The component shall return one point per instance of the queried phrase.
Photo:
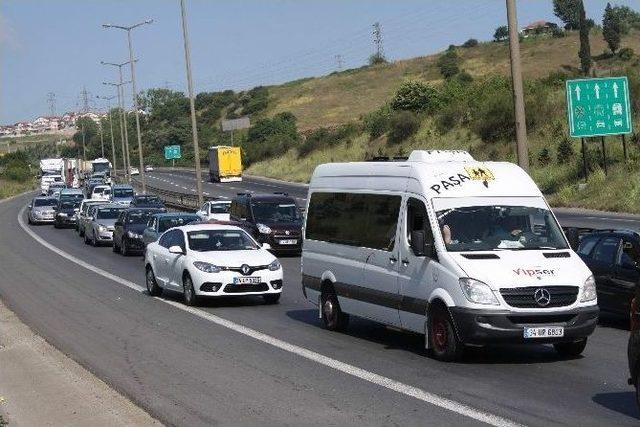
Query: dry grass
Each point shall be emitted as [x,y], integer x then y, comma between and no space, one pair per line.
[11,188]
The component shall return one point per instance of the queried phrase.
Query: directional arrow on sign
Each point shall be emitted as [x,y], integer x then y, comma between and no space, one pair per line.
[578,92]
[597,89]
[615,89]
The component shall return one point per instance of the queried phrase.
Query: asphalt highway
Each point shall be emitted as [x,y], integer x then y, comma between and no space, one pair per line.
[240,362]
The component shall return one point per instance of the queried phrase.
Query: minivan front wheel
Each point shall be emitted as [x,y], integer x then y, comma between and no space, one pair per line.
[571,349]
[333,317]
[443,341]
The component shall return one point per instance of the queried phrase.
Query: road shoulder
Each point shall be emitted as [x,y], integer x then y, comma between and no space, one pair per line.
[41,386]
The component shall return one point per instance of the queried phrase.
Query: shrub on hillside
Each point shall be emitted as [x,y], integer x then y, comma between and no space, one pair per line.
[376,123]
[565,151]
[403,125]
[416,96]
[470,43]
[326,137]
[626,53]
[270,137]
[254,101]
[448,63]
[544,157]
[376,59]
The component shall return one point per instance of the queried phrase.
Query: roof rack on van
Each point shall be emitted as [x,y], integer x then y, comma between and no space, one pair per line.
[246,194]
[387,159]
[281,193]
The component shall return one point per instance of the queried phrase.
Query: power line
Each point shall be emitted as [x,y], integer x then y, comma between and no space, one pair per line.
[85,100]
[339,62]
[377,40]
[51,100]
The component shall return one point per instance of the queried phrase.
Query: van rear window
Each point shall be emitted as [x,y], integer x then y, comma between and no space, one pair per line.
[354,219]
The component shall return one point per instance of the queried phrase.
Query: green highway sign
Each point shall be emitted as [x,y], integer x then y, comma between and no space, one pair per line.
[172,152]
[598,107]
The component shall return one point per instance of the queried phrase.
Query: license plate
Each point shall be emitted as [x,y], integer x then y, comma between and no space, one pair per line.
[246,280]
[544,332]
[289,242]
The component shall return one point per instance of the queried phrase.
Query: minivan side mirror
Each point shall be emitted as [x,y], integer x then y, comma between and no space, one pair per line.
[419,246]
[30,206]
[266,246]
[175,249]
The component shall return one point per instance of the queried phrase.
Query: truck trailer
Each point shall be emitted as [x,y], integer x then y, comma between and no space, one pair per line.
[225,164]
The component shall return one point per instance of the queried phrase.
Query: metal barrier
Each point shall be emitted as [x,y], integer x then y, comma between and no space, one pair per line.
[174,199]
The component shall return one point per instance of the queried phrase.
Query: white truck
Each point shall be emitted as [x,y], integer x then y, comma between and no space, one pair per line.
[52,170]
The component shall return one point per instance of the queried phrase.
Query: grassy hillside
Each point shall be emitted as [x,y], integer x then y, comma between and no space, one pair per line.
[341,101]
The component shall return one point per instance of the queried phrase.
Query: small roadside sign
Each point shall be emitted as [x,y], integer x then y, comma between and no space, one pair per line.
[598,107]
[172,152]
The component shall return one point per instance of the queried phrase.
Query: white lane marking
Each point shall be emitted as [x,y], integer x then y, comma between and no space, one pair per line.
[354,371]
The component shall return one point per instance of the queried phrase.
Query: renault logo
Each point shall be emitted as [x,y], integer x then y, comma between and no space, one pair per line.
[245,269]
[287,232]
[542,297]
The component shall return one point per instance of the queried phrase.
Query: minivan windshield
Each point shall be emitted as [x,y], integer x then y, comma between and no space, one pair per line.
[220,240]
[275,212]
[45,202]
[487,228]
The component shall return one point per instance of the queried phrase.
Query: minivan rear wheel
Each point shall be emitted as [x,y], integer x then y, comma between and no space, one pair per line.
[333,317]
[570,349]
[443,341]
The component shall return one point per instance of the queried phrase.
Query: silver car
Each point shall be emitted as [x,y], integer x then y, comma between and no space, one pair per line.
[42,210]
[99,228]
[83,217]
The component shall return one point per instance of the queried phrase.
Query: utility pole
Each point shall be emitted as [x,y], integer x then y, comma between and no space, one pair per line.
[339,61]
[113,146]
[194,127]
[135,93]
[518,92]
[85,100]
[51,100]
[377,40]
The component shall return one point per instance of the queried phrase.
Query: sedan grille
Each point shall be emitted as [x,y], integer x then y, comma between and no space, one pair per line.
[234,289]
[558,296]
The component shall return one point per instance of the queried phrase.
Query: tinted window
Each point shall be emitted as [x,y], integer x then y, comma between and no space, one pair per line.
[586,245]
[122,192]
[418,219]
[68,204]
[606,250]
[139,217]
[366,220]
[220,208]
[45,202]
[220,240]
[176,221]
[630,255]
[165,239]
[108,213]
[270,212]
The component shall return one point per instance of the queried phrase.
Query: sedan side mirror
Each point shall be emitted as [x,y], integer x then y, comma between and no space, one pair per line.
[30,207]
[177,250]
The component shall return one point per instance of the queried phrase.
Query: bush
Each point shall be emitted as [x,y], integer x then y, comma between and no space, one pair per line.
[448,63]
[326,137]
[270,137]
[416,96]
[376,59]
[403,124]
[470,43]
[626,53]
[255,100]
[565,151]
[557,32]
[544,157]
[376,123]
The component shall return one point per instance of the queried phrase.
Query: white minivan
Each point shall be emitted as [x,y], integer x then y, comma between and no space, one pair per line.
[465,252]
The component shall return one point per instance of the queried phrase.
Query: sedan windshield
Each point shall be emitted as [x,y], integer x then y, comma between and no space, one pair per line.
[139,217]
[176,221]
[108,213]
[68,205]
[486,228]
[220,208]
[45,202]
[275,212]
[122,192]
[220,240]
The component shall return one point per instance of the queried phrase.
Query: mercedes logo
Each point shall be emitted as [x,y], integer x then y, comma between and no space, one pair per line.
[245,269]
[542,297]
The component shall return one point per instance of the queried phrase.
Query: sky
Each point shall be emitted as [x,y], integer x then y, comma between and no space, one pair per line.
[55,46]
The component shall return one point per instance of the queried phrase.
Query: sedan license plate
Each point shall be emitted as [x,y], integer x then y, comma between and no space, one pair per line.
[246,280]
[544,332]
[289,242]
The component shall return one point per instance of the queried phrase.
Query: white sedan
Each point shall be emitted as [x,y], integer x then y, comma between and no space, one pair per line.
[212,260]
[217,210]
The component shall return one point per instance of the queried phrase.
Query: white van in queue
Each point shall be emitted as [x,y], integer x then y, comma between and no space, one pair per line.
[467,253]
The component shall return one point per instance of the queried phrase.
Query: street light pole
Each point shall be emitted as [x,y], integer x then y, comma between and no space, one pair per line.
[113,146]
[518,92]
[194,127]
[124,137]
[135,94]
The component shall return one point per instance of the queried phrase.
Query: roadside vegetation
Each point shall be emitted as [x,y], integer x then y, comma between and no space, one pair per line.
[16,174]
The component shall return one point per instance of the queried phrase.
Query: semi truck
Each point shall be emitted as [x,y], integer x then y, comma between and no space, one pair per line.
[225,164]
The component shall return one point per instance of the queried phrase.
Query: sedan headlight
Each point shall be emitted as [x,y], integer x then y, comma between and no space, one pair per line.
[478,292]
[133,235]
[264,229]
[589,290]
[101,228]
[275,265]
[206,267]
[62,214]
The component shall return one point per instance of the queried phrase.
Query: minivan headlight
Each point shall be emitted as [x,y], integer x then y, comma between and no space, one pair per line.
[478,292]
[275,265]
[589,290]
[206,267]
[264,229]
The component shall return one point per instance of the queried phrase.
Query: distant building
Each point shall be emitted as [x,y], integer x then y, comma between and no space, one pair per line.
[538,28]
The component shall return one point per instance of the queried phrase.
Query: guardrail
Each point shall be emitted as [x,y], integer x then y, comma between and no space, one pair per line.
[174,199]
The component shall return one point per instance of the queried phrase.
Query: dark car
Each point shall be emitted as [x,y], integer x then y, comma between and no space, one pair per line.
[270,218]
[161,222]
[633,350]
[128,229]
[614,259]
[146,201]
[66,211]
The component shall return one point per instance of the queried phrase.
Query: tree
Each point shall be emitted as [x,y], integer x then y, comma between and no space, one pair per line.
[611,28]
[403,124]
[377,58]
[585,49]
[448,64]
[628,18]
[502,32]
[416,96]
[569,12]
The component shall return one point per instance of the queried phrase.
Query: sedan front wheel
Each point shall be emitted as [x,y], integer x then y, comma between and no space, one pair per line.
[189,294]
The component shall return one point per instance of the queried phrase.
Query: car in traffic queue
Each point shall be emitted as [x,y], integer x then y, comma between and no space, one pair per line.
[42,210]
[122,194]
[614,259]
[215,210]
[466,253]
[148,168]
[161,222]
[46,180]
[55,188]
[90,184]
[146,201]
[134,171]
[212,260]
[66,212]
[84,216]
[270,218]
[129,227]
[102,192]
[633,347]
[73,194]
[101,223]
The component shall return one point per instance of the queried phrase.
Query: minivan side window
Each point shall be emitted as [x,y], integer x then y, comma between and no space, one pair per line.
[354,219]
[606,250]
[418,220]
[630,256]
[586,245]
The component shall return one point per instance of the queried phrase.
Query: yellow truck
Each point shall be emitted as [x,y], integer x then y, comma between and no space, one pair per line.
[225,164]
